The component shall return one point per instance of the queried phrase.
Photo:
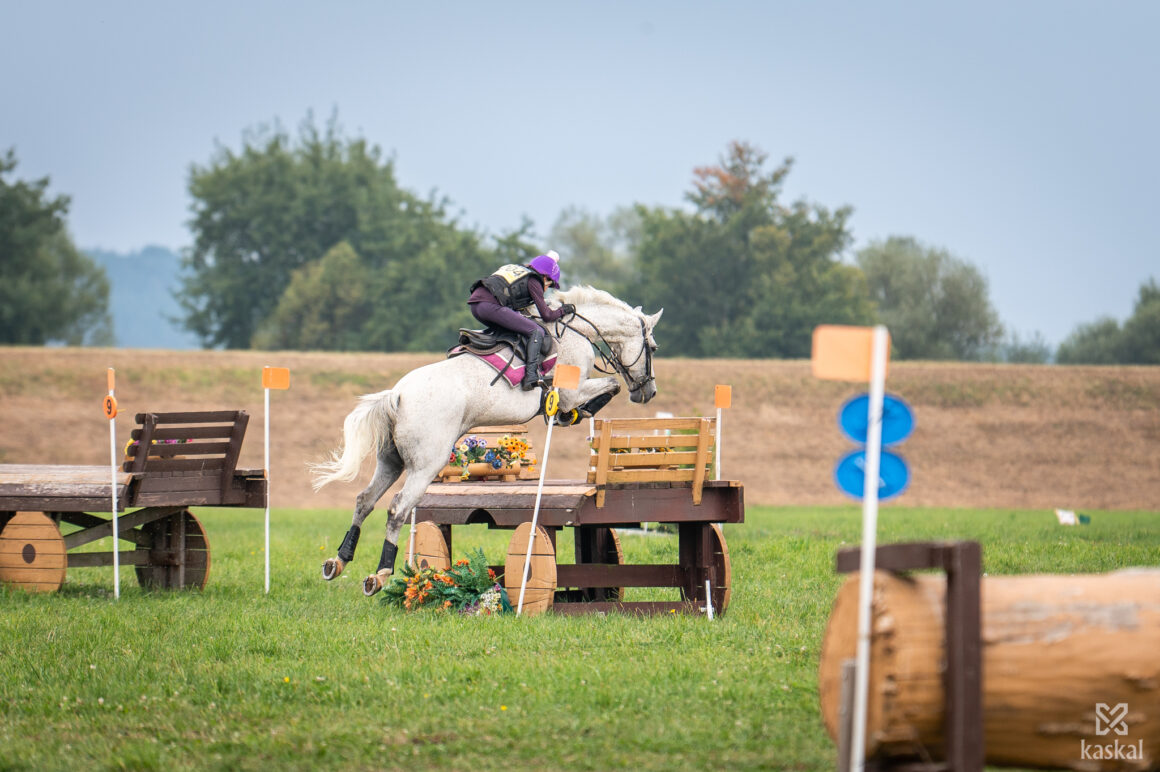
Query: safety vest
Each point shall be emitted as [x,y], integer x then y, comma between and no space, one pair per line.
[509,284]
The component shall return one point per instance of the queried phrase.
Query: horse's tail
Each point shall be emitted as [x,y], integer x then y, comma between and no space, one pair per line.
[368,427]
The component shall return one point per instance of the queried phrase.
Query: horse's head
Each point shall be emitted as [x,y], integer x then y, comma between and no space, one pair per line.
[636,357]
[623,334]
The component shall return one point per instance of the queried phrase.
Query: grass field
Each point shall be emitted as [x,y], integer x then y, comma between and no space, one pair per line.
[316,675]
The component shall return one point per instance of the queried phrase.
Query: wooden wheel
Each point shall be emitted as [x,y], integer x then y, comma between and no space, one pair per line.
[718,558]
[32,553]
[178,554]
[599,544]
[431,550]
[541,588]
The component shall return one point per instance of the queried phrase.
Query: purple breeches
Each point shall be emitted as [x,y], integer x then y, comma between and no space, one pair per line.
[501,316]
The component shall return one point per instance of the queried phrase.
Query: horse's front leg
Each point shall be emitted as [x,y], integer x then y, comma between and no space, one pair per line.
[592,395]
[387,470]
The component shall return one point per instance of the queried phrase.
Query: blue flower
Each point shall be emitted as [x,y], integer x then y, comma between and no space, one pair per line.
[489,456]
[496,464]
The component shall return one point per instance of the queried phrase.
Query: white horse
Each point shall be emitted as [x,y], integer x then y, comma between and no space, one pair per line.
[414,426]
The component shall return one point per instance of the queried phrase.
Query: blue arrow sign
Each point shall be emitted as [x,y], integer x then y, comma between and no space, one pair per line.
[893,474]
[897,419]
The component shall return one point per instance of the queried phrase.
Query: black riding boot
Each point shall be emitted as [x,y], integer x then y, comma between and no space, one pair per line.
[533,356]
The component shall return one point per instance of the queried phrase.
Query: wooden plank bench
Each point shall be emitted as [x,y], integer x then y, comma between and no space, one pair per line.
[651,450]
[191,460]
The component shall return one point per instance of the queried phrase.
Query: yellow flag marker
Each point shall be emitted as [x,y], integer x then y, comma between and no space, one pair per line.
[843,353]
[722,400]
[566,377]
[723,396]
[275,377]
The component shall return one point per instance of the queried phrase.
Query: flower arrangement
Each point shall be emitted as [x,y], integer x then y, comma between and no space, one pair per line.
[469,587]
[474,450]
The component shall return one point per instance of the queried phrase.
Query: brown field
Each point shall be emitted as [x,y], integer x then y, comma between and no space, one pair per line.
[1019,436]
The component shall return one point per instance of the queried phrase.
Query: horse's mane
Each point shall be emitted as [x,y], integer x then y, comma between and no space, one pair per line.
[586,295]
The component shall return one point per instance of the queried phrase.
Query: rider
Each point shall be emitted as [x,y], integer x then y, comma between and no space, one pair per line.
[497,300]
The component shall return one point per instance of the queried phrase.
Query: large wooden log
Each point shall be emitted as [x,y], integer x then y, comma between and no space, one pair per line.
[1054,648]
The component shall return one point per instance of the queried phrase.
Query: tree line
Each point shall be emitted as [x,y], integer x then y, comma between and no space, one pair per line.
[309,242]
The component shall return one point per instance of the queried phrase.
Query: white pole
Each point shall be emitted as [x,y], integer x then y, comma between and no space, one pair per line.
[267,449]
[113,488]
[411,546]
[869,539]
[717,460]
[708,600]
[535,514]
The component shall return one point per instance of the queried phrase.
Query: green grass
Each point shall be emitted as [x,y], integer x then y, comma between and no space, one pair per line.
[315,674]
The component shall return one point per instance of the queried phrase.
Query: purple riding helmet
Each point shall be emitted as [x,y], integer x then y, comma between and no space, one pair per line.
[545,265]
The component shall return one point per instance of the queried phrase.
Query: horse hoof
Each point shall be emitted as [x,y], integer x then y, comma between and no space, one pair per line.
[332,568]
[373,583]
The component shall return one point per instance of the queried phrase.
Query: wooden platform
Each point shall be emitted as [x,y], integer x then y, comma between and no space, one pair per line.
[573,503]
[594,583]
[191,460]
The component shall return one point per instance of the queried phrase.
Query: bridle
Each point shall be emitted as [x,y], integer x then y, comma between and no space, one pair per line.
[610,359]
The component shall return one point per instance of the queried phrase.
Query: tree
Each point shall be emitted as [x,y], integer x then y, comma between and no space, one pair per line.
[276,205]
[323,307]
[750,277]
[1093,343]
[1105,342]
[1141,344]
[51,292]
[936,305]
[596,251]
[1017,350]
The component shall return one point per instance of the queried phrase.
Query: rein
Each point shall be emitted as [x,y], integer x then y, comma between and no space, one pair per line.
[610,359]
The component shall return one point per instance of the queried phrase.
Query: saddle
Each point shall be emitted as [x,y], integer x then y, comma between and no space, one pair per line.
[503,350]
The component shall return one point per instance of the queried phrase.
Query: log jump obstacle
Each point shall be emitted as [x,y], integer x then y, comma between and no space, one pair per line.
[1037,670]
[191,460]
[641,470]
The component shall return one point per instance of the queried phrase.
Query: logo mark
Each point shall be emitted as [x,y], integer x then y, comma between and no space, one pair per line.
[1111,718]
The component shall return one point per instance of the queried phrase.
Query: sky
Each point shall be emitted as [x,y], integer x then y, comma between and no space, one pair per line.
[1023,137]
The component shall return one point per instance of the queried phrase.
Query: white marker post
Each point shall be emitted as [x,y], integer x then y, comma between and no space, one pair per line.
[857,354]
[566,377]
[722,399]
[110,406]
[411,545]
[879,351]
[272,378]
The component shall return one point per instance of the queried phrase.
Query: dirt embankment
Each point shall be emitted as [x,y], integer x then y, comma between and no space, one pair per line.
[1022,436]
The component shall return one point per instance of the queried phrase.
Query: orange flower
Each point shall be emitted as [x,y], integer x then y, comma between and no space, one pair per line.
[490,574]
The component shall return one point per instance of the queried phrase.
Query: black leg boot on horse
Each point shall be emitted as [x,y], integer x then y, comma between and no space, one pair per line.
[533,358]
[333,566]
[373,583]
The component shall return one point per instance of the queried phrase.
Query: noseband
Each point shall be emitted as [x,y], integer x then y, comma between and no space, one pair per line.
[611,360]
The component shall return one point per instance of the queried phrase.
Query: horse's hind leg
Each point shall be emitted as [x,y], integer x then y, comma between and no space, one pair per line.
[389,467]
[406,500]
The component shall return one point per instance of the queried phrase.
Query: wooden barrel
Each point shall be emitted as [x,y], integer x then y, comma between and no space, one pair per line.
[32,553]
[541,587]
[431,550]
[1055,649]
